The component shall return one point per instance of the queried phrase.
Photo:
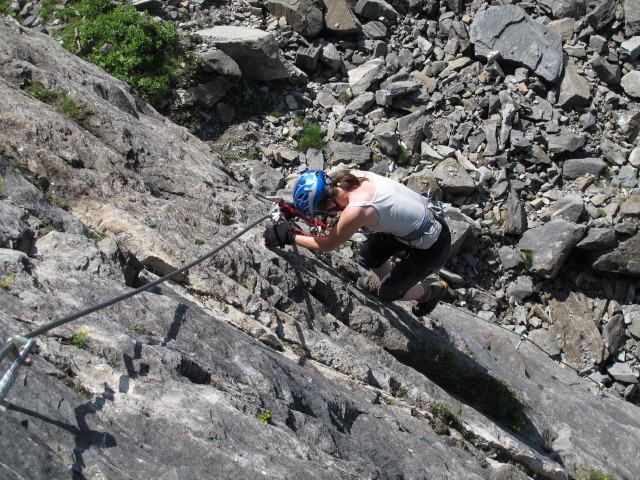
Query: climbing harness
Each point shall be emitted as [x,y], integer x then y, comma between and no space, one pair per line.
[11,349]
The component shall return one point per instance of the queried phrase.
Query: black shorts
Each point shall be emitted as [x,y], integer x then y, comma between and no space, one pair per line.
[415,265]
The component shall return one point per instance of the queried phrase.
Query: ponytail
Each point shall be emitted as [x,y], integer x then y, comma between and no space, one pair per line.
[347,180]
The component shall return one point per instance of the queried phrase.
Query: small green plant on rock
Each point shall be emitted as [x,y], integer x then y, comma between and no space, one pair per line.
[6,283]
[98,236]
[63,103]
[80,340]
[264,416]
[598,475]
[403,156]
[527,256]
[83,391]
[311,137]
[49,226]
[199,241]
[447,416]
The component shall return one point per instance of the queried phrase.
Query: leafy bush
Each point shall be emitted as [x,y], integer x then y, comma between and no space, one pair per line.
[144,52]
[311,137]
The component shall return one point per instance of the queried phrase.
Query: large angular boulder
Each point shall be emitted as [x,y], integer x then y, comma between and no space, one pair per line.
[549,245]
[339,18]
[520,39]
[304,16]
[625,259]
[255,51]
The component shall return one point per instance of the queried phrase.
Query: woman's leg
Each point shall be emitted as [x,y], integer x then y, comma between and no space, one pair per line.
[403,281]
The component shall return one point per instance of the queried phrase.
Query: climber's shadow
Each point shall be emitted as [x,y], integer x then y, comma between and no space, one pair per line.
[429,351]
[84,436]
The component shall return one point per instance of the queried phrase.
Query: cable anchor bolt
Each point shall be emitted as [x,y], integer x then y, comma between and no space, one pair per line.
[523,337]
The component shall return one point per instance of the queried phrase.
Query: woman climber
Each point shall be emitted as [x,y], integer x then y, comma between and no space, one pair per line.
[400,219]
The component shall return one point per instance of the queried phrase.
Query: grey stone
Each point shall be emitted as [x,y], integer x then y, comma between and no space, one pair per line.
[574,88]
[549,255]
[569,208]
[453,178]
[603,13]
[339,18]
[519,39]
[607,72]
[209,94]
[375,30]
[614,334]
[580,167]
[362,77]
[516,221]
[216,61]
[631,17]
[625,259]
[376,10]
[565,142]
[520,289]
[628,122]
[631,84]
[344,152]
[330,57]
[598,239]
[362,103]
[631,207]
[255,51]
[305,16]
[510,258]
[307,57]
[623,372]
[630,48]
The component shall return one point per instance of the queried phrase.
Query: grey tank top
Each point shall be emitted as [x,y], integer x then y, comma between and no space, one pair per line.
[403,212]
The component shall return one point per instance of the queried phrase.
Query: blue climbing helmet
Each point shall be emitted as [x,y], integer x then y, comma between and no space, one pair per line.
[308,191]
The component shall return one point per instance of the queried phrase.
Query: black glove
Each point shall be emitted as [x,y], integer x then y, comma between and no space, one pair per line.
[278,236]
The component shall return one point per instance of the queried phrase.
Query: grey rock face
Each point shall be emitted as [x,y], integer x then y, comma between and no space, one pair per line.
[519,39]
[185,369]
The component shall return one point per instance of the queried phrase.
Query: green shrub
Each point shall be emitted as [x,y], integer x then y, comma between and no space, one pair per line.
[403,156]
[527,256]
[311,137]
[144,52]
